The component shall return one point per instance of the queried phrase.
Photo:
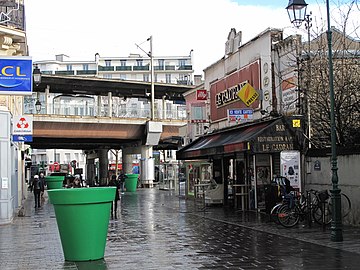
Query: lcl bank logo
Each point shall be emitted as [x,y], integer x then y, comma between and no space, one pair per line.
[15,75]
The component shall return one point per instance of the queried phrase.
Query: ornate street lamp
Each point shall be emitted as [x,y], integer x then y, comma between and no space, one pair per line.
[37,75]
[294,8]
[38,106]
[297,11]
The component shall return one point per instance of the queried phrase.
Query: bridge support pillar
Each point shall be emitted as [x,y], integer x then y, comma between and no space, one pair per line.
[103,166]
[90,171]
[147,166]
[126,160]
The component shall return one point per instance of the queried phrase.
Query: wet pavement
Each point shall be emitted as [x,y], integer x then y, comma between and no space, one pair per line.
[158,230]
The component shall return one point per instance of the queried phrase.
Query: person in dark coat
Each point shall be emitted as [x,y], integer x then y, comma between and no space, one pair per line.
[37,186]
[114,183]
[122,178]
[77,182]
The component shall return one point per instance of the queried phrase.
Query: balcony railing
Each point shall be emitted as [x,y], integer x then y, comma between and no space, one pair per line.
[185,67]
[169,67]
[86,72]
[107,68]
[141,67]
[158,67]
[123,68]
[64,72]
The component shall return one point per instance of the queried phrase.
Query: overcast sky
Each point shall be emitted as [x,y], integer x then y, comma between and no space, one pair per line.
[81,28]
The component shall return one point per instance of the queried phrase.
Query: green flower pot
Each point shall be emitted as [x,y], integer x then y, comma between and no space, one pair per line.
[54,182]
[82,216]
[131,182]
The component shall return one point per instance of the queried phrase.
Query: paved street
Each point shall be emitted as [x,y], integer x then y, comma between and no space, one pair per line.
[157,230]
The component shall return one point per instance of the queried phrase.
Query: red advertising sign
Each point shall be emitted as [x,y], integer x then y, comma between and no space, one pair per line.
[201,94]
[223,92]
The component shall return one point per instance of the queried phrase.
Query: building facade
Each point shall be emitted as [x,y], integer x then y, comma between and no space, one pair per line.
[247,130]
[12,43]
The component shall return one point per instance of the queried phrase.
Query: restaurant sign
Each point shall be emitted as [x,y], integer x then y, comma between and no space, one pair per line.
[276,138]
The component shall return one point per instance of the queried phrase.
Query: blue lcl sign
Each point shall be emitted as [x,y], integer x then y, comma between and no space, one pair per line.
[15,75]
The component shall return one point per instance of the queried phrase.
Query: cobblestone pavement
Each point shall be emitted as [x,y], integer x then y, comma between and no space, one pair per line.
[158,230]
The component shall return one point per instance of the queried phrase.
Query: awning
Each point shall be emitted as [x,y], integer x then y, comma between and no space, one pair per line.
[262,137]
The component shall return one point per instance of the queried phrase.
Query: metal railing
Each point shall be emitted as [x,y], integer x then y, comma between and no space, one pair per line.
[91,110]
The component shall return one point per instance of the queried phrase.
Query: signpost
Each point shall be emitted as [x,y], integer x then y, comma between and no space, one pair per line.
[240,115]
[22,128]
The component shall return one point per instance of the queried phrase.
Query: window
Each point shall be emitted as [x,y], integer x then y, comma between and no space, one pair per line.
[77,157]
[69,67]
[67,157]
[169,154]
[122,76]
[57,157]
[86,67]
[123,63]
[108,63]
[182,62]
[168,78]
[107,76]
[155,78]
[139,62]
[161,63]
[145,77]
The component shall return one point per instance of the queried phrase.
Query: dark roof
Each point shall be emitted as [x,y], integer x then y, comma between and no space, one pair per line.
[120,88]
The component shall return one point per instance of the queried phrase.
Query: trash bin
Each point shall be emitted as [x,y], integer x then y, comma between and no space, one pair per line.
[54,182]
[131,182]
[82,216]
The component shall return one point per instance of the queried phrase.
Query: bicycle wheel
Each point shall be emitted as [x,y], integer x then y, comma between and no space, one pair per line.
[317,212]
[274,213]
[288,217]
[345,205]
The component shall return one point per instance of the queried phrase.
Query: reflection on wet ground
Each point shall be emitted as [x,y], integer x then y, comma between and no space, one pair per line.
[158,230]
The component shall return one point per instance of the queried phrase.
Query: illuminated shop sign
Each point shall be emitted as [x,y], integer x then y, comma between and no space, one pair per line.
[15,75]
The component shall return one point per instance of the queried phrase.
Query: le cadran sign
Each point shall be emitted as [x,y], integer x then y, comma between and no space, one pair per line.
[22,128]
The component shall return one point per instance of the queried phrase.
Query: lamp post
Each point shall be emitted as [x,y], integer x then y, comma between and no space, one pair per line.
[38,106]
[152,79]
[297,10]
[37,81]
[37,75]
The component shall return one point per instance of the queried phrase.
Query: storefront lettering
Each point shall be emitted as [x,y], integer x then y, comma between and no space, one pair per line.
[280,127]
[228,95]
[274,139]
[277,147]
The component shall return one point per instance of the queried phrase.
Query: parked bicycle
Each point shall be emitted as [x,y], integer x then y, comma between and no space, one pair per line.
[314,206]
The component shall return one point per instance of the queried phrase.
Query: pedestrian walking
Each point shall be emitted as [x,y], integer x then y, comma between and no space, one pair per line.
[122,177]
[42,179]
[37,187]
[114,183]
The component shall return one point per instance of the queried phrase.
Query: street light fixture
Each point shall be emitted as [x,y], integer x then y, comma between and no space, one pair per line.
[37,75]
[294,7]
[38,106]
[296,10]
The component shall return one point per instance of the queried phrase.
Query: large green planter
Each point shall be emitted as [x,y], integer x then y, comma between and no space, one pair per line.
[131,182]
[82,216]
[54,182]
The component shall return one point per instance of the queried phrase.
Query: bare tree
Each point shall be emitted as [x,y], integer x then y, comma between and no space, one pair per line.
[346,66]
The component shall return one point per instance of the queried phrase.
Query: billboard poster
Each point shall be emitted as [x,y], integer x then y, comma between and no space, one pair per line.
[224,91]
[290,167]
[15,75]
